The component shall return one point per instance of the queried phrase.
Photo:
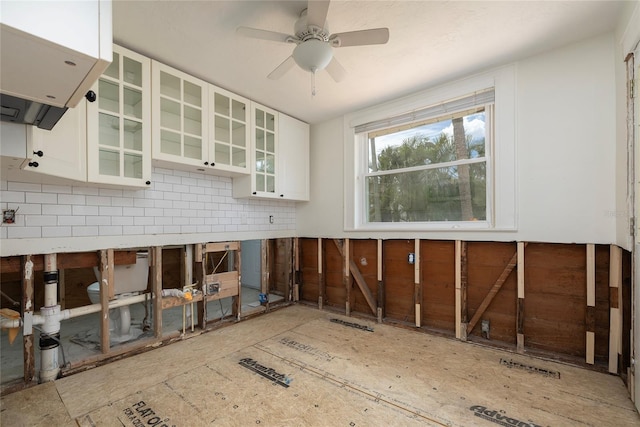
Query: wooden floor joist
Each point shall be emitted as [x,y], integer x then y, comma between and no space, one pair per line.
[493,291]
[359,279]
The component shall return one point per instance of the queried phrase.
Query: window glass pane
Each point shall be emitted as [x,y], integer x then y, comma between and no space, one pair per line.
[259,182]
[221,104]
[239,110]
[260,162]
[192,120]
[271,144]
[133,165]
[271,184]
[170,143]
[109,162]
[109,96]
[259,118]
[456,193]
[239,134]
[133,103]
[169,85]
[132,135]
[270,122]
[270,163]
[439,141]
[109,130]
[239,157]
[192,94]
[170,114]
[114,68]
[192,147]
[222,129]
[222,154]
[132,71]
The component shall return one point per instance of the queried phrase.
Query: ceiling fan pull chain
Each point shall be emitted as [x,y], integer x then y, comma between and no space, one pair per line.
[313,82]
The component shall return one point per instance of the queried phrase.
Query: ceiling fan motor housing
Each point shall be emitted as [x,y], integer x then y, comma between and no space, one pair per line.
[305,32]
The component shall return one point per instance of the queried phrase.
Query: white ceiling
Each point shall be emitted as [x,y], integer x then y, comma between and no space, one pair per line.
[430,42]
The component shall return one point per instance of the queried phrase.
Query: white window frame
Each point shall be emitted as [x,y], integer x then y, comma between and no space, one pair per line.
[500,146]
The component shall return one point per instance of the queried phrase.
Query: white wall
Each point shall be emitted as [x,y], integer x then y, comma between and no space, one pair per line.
[179,208]
[565,155]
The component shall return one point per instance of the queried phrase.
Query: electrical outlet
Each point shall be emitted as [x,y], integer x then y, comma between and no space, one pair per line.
[8,216]
[212,288]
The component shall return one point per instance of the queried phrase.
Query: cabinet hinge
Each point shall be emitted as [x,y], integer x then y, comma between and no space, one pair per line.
[632,88]
[632,226]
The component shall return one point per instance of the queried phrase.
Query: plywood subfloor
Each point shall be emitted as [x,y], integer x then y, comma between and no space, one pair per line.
[325,373]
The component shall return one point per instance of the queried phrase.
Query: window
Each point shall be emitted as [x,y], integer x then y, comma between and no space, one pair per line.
[405,185]
[431,165]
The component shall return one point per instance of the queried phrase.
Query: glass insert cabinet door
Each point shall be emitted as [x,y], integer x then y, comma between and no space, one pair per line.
[179,116]
[230,125]
[118,122]
[265,131]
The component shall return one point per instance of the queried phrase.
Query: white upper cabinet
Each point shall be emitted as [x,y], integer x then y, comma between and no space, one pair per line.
[179,117]
[119,122]
[264,156]
[60,152]
[53,51]
[293,158]
[229,130]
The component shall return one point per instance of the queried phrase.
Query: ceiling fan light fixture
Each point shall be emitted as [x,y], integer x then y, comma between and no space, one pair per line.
[313,55]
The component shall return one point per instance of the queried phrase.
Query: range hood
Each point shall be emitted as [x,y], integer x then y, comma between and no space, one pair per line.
[24,111]
[51,53]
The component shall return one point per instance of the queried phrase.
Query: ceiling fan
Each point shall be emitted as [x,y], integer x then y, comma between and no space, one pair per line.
[314,42]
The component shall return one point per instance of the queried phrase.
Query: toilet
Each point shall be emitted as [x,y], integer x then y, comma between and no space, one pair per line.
[129,280]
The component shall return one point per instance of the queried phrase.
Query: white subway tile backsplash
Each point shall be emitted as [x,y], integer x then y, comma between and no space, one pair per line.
[81,231]
[84,210]
[24,232]
[89,191]
[110,210]
[98,201]
[98,220]
[72,199]
[56,231]
[113,192]
[64,220]
[110,230]
[51,198]
[54,209]
[133,212]
[40,220]
[122,220]
[177,202]
[24,186]
[60,189]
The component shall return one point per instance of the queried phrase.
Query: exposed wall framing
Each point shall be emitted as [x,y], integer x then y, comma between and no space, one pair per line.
[566,301]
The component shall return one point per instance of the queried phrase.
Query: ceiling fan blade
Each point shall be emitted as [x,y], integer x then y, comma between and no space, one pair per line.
[256,33]
[317,12]
[360,38]
[336,70]
[282,69]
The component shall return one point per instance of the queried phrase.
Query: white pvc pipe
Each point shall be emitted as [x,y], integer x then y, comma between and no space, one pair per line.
[51,288]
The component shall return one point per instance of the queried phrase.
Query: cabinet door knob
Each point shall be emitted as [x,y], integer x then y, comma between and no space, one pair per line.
[206,163]
[91,96]
[282,195]
[34,164]
[38,153]
[213,163]
[148,182]
[254,193]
